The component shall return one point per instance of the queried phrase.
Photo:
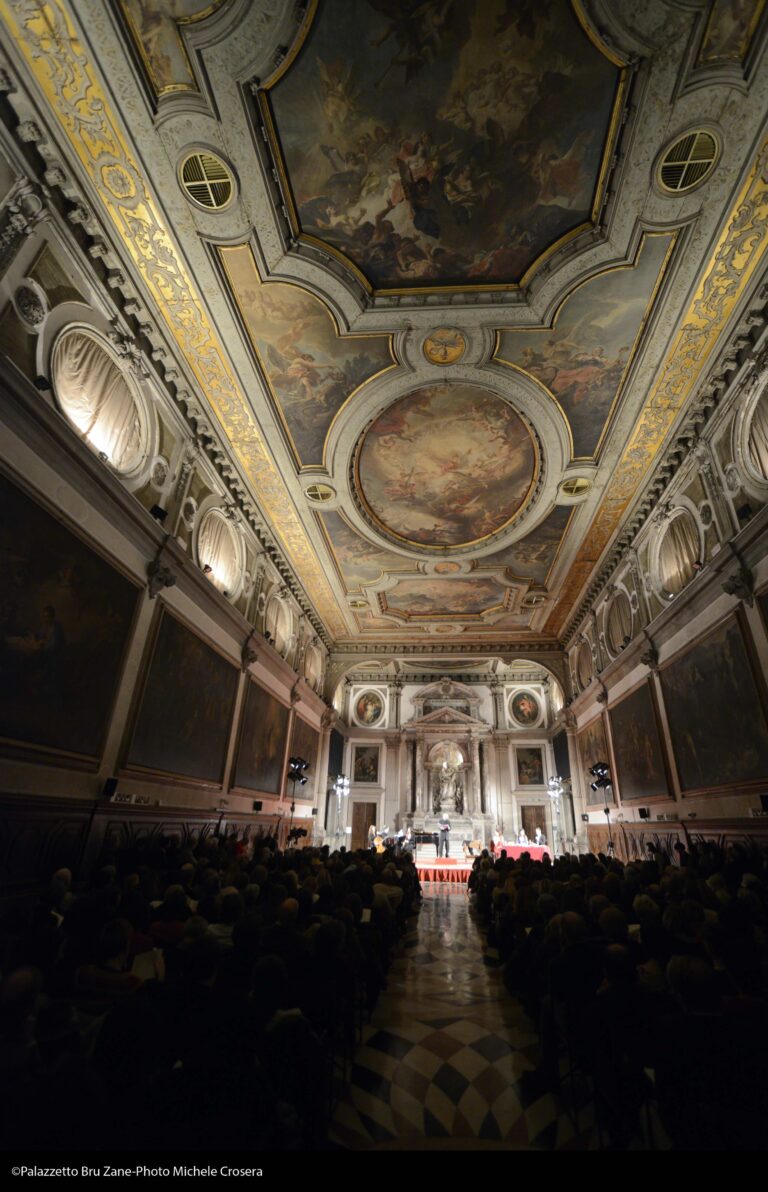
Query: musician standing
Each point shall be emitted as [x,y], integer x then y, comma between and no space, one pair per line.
[445,837]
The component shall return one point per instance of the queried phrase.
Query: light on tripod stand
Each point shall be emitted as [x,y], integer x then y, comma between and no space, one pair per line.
[296,768]
[601,774]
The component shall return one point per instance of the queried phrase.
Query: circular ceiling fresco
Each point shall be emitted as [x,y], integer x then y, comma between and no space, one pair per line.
[446,466]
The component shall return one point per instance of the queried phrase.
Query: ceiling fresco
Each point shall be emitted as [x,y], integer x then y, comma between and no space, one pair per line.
[429,598]
[532,557]
[583,358]
[421,145]
[154,26]
[446,466]
[310,368]
[359,562]
[444,142]
[729,30]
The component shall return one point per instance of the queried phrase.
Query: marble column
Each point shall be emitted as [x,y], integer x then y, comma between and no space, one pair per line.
[392,773]
[497,692]
[395,693]
[475,747]
[322,775]
[420,796]
[410,785]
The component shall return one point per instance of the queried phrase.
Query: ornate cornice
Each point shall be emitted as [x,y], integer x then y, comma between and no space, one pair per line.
[54,53]
[739,252]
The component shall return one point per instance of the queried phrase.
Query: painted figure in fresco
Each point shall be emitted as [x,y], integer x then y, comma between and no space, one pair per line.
[368,708]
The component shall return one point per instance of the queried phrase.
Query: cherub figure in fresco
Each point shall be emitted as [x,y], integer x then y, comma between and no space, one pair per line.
[339,94]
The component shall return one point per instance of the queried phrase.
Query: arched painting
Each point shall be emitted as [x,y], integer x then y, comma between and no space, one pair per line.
[524,708]
[369,708]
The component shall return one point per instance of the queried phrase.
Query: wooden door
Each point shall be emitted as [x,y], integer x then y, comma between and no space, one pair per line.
[533,817]
[363,815]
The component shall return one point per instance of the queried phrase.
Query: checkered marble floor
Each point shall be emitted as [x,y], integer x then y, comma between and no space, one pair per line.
[444,1052]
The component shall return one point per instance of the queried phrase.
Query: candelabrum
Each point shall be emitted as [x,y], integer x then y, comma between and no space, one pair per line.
[556,787]
[341,790]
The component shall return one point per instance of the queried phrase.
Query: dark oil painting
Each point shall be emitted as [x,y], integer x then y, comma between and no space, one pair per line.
[263,737]
[366,764]
[66,619]
[447,142]
[715,714]
[530,767]
[637,751]
[186,707]
[593,748]
[304,743]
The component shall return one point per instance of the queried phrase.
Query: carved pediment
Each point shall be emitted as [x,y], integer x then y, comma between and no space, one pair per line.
[441,717]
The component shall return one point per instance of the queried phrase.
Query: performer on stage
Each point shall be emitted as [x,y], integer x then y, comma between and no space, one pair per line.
[445,836]
[372,836]
[522,838]
[408,840]
[539,837]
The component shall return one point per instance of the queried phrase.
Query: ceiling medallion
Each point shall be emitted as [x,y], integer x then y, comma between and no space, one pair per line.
[447,466]
[445,345]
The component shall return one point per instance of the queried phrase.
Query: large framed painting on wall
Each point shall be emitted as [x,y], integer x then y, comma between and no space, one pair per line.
[304,744]
[67,617]
[593,748]
[262,741]
[637,751]
[186,707]
[715,711]
[530,766]
[365,766]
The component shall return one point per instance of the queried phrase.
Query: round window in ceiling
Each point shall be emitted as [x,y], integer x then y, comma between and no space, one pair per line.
[207,181]
[688,162]
[318,494]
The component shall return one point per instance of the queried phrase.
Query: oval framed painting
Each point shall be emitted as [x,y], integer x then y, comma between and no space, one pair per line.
[369,708]
[525,709]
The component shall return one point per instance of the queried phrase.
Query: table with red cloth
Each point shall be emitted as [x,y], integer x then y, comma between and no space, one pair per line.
[537,851]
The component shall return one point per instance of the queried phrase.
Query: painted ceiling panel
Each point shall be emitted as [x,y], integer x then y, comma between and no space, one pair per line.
[359,562]
[310,368]
[444,143]
[155,29]
[729,29]
[583,359]
[532,557]
[445,597]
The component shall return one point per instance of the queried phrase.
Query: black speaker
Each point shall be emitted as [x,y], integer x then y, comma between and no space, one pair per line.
[585,819]
[314,811]
[159,513]
[644,813]
[257,804]
[764,802]
[109,788]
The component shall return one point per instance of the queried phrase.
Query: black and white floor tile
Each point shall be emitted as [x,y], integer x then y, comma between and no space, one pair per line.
[443,1055]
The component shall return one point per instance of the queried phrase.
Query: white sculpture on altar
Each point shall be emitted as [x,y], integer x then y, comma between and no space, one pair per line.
[449,793]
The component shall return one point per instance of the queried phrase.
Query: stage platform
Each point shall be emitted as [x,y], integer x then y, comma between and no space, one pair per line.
[451,869]
[447,869]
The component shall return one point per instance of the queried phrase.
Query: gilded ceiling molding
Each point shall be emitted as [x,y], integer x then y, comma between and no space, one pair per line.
[738,254]
[47,37]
